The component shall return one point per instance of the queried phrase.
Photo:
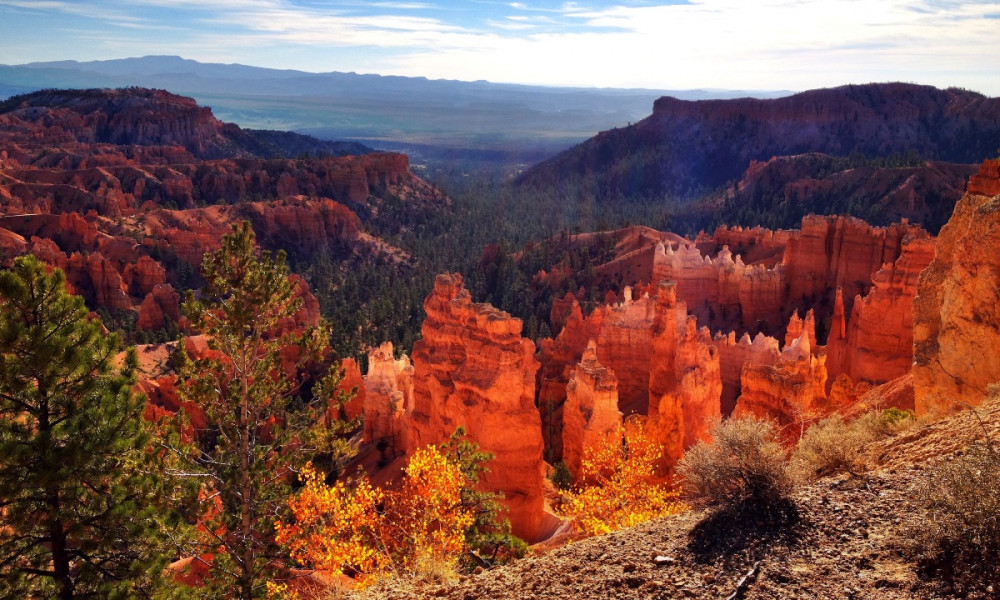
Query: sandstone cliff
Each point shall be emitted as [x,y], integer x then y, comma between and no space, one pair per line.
[956,316]
[472,369]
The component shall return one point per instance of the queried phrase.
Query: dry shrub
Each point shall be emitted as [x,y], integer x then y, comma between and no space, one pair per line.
[833,445]
[744,468]
[960,540]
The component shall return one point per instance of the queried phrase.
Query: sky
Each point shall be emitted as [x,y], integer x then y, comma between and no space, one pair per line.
[679,44]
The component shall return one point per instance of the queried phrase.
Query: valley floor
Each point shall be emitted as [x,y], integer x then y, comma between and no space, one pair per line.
[843,540]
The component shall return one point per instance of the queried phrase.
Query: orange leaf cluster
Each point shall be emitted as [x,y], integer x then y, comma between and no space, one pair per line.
[619,487]
[366,532]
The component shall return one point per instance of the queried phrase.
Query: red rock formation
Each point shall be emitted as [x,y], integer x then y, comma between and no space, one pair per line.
[591,410]
[473,369]
[623,346]
[388,395]
[558,358]
[161,305]
[879,339]
[956,311]
[352,384]
[685,384]
[832,252]
[734,355]
[791,392]
[797,325]
[144,275]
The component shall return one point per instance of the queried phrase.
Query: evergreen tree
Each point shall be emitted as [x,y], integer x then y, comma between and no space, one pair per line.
[253,410]
[77,480]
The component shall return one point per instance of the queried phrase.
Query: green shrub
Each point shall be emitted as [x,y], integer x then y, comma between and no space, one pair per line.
[744,467]
[561,476]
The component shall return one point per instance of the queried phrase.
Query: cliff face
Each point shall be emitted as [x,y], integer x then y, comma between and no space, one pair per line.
[472,369]
[957,308]
[791,391]
[878,343]
[687,145]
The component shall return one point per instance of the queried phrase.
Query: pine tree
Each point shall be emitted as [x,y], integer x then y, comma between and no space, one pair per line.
[259,426]
[77,479]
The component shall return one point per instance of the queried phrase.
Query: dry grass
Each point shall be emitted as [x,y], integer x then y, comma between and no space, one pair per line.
[834,446]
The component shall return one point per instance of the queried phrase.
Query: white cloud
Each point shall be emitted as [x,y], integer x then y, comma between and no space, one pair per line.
[706,43]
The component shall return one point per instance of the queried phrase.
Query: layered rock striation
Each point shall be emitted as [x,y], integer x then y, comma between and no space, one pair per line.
[956,316]
[472,369]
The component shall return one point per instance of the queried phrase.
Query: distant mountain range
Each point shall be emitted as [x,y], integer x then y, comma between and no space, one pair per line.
[689,149]
[427,118]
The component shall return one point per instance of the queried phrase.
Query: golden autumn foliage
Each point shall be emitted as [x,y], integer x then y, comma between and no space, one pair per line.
[618,486]
[366,532]
[336,528]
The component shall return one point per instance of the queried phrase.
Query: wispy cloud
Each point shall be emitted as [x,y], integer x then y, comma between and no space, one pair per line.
[678,43]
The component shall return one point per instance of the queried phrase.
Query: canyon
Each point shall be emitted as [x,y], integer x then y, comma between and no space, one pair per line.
[680,352]
[125,190]
[786,324]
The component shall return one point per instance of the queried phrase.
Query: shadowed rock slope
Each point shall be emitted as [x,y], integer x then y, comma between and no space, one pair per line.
[686,149]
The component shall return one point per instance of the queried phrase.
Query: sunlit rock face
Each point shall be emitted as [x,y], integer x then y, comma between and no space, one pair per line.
[734,355]
[558,358]
[388,396]
[956,312]
[591,410]
[685,383]
[664,365]
[876,344]
[791,391]
[472,369]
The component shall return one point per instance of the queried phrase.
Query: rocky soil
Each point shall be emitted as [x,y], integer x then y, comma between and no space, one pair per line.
[844,539]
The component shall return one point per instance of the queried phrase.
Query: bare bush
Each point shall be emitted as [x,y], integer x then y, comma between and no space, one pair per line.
[832,446]
[960,540]
[744,467]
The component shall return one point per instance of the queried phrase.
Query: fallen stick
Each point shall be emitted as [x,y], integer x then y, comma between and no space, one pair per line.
[744,583]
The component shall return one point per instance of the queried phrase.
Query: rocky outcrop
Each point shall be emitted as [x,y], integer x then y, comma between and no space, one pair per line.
[623,343]
[734,356]
[160,307]
[791,392]
[558,358]
[665,367]
[832,252]
[388,396]
[591,410]
[472,369]
[957,308]
[352,384]
[685,384]
[877,344]
[144,275]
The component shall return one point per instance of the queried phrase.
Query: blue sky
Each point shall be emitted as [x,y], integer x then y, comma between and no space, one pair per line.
[735,44]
